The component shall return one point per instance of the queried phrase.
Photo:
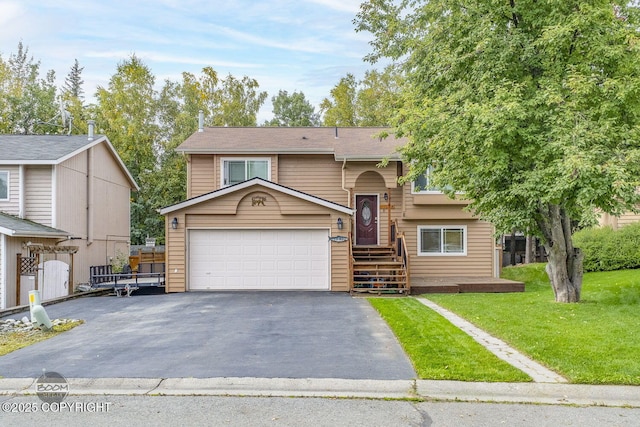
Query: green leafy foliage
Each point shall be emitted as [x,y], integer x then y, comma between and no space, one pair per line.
[292,110]
[531,109]
[372,101]
[340,109]
[606,249]
[27,101]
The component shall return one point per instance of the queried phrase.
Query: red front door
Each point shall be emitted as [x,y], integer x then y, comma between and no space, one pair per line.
[367,220]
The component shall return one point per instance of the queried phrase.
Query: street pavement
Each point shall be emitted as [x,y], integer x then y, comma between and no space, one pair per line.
[296,412]
[337,382]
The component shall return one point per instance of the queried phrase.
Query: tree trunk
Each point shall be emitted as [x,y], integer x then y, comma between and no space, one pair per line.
[512,248]
[528,251]
[565,262]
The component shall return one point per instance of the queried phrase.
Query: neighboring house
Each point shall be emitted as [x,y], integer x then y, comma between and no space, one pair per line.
[59,195]
[311,208]
[616,222]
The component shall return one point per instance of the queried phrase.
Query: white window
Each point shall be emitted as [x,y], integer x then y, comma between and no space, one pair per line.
[4,185]
[442,240]
[423,185]
[238,170]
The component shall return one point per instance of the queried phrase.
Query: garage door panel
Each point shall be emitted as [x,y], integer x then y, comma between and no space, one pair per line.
[259,259]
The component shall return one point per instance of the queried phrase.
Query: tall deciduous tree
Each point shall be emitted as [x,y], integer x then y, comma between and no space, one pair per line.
[378,97]
[531,109]
[27,101]
[127,113]
[370,102]
[340,108]
[238,102]
[292,110]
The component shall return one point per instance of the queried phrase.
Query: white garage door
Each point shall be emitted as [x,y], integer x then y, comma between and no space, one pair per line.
[259,259]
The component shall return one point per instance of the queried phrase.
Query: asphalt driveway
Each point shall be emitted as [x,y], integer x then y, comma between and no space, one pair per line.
[221,334]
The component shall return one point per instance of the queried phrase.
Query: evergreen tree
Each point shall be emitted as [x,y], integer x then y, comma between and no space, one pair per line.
[73,82]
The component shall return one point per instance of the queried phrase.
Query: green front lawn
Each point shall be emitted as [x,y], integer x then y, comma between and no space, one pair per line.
[438,349]
[596,341]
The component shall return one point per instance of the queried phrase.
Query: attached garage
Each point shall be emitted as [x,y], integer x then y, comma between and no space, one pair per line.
[259,259]
[257,235]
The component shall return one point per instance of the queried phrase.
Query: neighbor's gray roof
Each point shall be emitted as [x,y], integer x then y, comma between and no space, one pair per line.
[16,227]
[46,149]
[350,143]
[52,150]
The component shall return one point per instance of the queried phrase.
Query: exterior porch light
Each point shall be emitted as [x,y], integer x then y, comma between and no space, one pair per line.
[339,223]
[174,223]
[386,197]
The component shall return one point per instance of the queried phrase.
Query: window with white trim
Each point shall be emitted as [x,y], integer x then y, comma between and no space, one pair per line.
[442,240]
[238,170]
[423,184]
[4,185]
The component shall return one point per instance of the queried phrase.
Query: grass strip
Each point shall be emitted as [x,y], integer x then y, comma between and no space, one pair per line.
[16,340]
[596,341]
[438,349]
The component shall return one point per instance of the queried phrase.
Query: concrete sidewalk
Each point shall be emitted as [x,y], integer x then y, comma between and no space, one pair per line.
[539,393]
[502,350]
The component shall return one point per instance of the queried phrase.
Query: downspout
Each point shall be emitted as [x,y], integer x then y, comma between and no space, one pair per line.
[3,273]
[90,196]
[21,178]
[344,179]
[54,197]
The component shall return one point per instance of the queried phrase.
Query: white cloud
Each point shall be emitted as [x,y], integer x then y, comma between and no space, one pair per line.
[351,6]
[174,59]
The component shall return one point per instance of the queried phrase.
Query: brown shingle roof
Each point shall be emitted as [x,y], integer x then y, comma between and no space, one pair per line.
[354,143]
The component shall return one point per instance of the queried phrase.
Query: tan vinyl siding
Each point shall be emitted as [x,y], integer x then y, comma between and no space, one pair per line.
[110,210]
[477,262]
[432,206]
[106,167]
[204,171]
[616,222]
[38,194]
[276,204]
[12,206]
[339,256]
[319,175]
[628,218]
[374,182]
[3,278]
[14,246]
[355,172]
[240,210]
[203,174]
[72,195]
[175,251]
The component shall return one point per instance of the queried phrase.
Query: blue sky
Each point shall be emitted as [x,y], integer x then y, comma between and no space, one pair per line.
[303,45]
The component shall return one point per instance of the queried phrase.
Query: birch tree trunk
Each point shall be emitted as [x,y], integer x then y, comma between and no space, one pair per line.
[565,262]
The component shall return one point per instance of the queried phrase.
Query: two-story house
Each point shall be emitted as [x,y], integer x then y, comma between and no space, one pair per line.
[311,208]
[64,199]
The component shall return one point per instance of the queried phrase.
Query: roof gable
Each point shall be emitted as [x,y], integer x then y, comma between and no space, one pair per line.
[53,150]
[256,182]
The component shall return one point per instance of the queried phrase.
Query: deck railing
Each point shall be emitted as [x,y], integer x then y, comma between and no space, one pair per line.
[351,261]
[401,250]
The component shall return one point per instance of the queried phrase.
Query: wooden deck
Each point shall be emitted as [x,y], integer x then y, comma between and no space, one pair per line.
[454,285]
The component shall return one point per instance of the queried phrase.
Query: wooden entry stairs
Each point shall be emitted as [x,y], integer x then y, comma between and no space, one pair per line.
[378,270]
